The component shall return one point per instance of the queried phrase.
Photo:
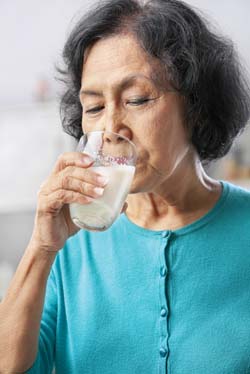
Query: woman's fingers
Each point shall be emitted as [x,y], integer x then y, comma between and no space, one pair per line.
[76,179]
[52,204]
[82,187]
[85,175]
[72,159]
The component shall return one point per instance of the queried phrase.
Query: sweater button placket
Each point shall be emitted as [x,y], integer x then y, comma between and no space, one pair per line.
[163,313]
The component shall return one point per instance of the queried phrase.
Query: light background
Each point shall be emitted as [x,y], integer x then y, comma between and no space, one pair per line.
[33,32]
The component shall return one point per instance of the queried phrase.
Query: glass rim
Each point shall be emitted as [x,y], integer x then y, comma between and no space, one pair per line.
[111,132]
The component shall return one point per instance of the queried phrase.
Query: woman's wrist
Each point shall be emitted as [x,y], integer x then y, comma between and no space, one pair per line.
[39,251]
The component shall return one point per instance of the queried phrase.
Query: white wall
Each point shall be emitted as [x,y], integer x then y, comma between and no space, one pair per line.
[32,34]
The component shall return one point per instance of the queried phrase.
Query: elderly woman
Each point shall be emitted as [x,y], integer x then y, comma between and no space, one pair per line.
[166,288]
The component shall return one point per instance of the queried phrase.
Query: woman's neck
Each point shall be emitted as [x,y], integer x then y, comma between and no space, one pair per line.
[183,198]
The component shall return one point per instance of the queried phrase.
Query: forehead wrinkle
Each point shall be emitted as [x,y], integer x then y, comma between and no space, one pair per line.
[125,83]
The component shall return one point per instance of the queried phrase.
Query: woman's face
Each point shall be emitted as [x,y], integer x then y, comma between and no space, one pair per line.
[119,94]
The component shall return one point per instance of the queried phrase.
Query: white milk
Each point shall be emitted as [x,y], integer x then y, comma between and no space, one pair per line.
[102,212]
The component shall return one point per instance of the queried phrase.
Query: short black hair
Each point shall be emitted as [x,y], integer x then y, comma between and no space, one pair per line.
[202,65]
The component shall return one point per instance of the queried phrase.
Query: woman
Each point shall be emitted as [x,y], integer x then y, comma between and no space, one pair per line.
[166,288]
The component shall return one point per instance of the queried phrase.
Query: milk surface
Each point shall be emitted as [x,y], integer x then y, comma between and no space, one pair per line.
[102,212]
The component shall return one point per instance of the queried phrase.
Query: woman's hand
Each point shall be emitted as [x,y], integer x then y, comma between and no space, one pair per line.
[71,181]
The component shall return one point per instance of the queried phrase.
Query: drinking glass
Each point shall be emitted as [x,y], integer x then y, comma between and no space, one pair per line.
[114,157]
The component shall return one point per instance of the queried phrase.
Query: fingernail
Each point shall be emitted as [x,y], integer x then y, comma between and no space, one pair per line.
[102,179]
[99,191]
[86,160]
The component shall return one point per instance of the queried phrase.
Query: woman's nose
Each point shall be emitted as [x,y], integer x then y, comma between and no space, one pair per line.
[116,145]
[110,137]
[113,137]
[113,122]
[116,124]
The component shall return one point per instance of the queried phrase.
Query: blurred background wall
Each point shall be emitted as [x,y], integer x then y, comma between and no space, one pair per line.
[32,35]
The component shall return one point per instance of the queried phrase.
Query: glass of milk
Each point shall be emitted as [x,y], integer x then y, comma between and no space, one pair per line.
[115,157]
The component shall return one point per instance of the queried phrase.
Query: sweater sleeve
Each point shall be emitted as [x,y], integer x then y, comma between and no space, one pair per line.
[46,347]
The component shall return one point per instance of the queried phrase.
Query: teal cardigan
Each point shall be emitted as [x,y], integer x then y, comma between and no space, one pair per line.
[131,300]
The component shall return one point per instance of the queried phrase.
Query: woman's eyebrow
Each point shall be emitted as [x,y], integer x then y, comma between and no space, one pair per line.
[125,83]
[90,93]
[131,79]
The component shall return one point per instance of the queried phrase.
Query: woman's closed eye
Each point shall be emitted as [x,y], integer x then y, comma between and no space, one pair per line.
[139,101]
[95,109]
[133,102]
